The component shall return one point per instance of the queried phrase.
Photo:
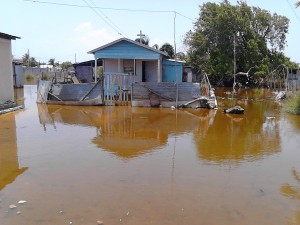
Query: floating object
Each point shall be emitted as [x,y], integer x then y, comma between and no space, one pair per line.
[12,206]
[22,201]
[100,222]
[270,117]
[281,95]
[234,110]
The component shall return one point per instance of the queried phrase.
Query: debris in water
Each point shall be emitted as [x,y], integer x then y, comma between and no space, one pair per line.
[270,117]
[127,214]
[22,201]
[71,222]
[12,206]
[19,212]
[281,95]
[61,212]
[234,110]
[100,222]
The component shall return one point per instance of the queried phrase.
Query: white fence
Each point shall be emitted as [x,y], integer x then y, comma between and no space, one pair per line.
[117,88]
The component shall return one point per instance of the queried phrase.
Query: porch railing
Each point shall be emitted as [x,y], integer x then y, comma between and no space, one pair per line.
[117,88]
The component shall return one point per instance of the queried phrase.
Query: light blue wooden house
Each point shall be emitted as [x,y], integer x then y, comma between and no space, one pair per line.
[145,64]
[143,76]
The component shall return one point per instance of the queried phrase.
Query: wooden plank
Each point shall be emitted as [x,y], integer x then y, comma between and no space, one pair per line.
[75,80]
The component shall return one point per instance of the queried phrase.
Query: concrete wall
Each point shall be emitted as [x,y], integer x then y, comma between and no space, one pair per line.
[6,71]
[18,76]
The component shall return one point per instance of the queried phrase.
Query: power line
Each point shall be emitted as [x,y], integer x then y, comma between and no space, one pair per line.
[293,10]
[107,8]
[115,28]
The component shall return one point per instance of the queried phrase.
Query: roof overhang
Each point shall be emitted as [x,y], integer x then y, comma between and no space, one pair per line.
[8,36]
[130,41]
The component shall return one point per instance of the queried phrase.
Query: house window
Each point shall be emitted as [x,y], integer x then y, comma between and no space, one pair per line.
[129,70]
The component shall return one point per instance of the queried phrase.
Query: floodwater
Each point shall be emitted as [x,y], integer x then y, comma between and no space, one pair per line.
[136,166]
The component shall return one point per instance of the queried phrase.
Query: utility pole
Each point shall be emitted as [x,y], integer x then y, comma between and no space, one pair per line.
[141,35]
[234,66]
[234,59]
[28,58]
[174,33]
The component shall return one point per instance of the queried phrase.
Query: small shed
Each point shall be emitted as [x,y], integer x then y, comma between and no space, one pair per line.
[172,70]
[6,71]
[144,63]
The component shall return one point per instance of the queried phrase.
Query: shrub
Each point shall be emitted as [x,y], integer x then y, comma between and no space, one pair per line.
[292,105]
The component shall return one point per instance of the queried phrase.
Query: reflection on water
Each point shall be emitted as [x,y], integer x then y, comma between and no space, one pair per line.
[293,192]
[126,132]
[290,190]
[237,137]
[9,164]
[135,166]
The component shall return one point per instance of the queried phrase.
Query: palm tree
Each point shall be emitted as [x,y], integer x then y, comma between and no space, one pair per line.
[25,58]
[155,46]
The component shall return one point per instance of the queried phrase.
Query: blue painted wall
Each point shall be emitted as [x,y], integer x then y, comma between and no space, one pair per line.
[172,71]
[126,50]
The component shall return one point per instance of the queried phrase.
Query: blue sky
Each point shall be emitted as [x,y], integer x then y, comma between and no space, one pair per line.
[61,32]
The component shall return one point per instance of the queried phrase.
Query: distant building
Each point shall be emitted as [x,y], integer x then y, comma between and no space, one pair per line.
[293,80]
[6,68]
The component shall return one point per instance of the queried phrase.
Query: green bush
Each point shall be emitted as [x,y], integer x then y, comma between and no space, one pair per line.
[292,105]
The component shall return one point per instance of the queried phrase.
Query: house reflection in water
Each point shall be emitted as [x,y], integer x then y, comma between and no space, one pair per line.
[9,164]
[134,131]
[124,131]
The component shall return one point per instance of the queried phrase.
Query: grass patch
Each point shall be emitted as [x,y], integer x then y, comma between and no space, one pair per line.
[292,105]
[29,77]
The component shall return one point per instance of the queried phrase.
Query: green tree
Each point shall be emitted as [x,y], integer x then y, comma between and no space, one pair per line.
[168,49]
[256,35]
[32,62]
[180,55]
[144,40]
[66,65]
[25,58]
[51,62]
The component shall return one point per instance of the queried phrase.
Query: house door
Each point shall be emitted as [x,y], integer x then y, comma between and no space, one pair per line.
[143,71]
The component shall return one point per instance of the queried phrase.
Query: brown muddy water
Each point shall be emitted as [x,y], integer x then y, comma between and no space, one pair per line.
[122,165]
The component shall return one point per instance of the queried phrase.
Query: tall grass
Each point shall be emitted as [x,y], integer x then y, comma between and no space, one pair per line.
[292,105]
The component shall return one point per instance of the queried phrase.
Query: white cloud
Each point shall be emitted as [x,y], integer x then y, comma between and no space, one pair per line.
[89,37]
